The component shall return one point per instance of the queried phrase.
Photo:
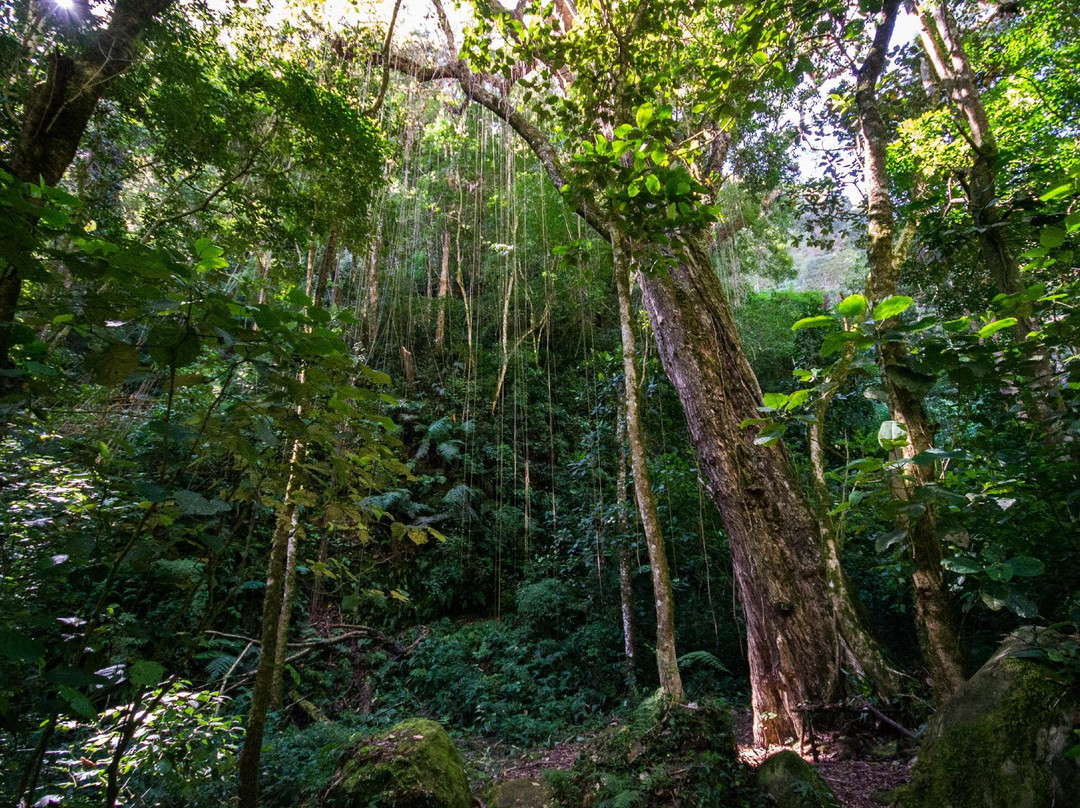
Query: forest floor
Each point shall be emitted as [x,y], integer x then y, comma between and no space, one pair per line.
[856,767]
[855,771]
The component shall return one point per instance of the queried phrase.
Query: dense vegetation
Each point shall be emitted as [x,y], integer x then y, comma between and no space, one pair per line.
[313,342]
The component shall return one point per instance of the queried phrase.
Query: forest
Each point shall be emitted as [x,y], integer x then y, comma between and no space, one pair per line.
[540,403]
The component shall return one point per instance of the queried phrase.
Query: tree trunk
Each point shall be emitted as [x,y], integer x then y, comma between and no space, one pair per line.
[248,792]
[666,659]
[622,523]
[934,614]
[798,638]
[57,114]
[944,50]
[444,287]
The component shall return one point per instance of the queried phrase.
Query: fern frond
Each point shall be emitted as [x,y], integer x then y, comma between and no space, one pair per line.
[705,658]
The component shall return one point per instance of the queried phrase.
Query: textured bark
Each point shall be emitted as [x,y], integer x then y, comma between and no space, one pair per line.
[248,777]
[58,112]
[934,613]
[622,522]
[666,658]
[444,288]
[797,641]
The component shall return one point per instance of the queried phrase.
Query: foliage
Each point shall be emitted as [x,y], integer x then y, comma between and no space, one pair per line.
[665,755]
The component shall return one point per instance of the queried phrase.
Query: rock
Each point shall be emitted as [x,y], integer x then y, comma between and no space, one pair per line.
[414,765]
[794,783]
[1000,741]
[525,792]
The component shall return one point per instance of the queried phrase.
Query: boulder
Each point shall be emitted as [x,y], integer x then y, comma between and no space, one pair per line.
[414,765]
[791,782]
[1000,741]
[526,792]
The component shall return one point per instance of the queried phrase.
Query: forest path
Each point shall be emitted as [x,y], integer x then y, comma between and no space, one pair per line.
[855,778]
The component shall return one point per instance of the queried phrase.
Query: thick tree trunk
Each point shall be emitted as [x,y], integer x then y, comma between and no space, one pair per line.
[622,522]
[57,114]
[666,658]
[934,614]
[798,639]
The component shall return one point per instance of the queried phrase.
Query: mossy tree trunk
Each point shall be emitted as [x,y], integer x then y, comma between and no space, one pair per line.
[666,658]
[799,639]
[934,614]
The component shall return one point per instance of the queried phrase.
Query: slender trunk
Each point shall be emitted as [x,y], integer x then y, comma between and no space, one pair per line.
[941,43]
[622,523]
[326,269]
[444,287]
[666,659]
[371,309]
[57,114]
[934,614]
[798,638]
[248,792]
[285,614]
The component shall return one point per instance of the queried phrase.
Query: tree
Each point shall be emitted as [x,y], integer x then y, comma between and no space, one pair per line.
[56,115]
[643,178]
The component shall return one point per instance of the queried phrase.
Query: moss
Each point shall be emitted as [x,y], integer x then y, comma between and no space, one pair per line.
[794,783]
[999,741]
[414,765]
[523,793]
[666,755]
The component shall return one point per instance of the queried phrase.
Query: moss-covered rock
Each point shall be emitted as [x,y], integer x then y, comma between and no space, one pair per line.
[414,765]
[999,742]
[526,792]
[665,755]
[794,783]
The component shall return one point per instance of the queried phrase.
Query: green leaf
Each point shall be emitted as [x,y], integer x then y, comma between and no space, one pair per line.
[891,307]
[78,702]
[892,434]
[1052,237]
[14,645]
[992,328]
[643,115]
[1025,566]
[114,363]
[995,595]
[962,565]
[886,540]
[770,434]
[1021,606]
[999,572]
[652,182]
[813,322]
[1057,193]
[145,673]
[775,401]
[852,306]
[623,130]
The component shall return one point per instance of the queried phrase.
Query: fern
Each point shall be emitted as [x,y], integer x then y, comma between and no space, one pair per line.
[628,799]
[704,657]
[219,665]
[450,450]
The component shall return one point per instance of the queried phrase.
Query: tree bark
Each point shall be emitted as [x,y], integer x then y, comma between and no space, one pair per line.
[444,288]
[248,792]
[622,523]
[934,614]
[57,114]
[798,637]
[666,659]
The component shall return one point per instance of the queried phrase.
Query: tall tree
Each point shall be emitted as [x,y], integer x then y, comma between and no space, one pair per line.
[642,179]
[938,636]
[57,113]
